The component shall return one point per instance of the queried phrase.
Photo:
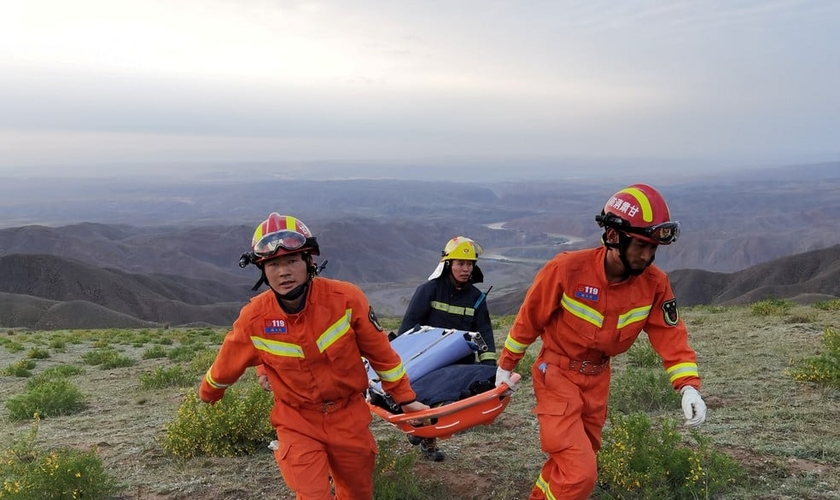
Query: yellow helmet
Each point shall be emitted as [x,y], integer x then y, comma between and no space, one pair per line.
[461,248]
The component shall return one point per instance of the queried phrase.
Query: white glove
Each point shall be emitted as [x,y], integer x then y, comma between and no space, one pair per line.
[503,377]
[693,406]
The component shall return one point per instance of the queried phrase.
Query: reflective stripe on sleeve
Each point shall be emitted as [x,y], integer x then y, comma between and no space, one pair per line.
[682,370]
[212,383]
[514,346]
[393,374]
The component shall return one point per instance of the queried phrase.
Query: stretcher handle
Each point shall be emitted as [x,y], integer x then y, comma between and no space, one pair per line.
[441,411]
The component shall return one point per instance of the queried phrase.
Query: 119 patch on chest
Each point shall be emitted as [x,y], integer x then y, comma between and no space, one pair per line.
[587,292]
[274,326]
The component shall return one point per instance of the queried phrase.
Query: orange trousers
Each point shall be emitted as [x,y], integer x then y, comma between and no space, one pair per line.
[571,410]
[332,442]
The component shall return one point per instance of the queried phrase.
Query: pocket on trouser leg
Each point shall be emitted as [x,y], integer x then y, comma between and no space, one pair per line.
[552,424]
[286,469]
[305,472]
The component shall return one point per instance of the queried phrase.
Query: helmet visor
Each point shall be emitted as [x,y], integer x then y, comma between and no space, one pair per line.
[286,240]
[663,234]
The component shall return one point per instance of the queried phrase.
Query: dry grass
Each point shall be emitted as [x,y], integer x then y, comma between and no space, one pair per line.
[784,432]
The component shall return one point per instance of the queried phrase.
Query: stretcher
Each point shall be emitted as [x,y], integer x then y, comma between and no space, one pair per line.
[425,349]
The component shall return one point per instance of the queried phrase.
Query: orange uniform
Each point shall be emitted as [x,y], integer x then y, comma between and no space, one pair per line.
[313,361]
[583,320]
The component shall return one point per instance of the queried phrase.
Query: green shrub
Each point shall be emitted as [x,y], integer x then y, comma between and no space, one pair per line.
[771,307]
[642,354]
[235,425]
[62,371]
[38,353]
[708,308]
[393,475]
[19,369]
[825,367]
[642,389]
[13,346]
[57,344]
[154,352]
[183,352]
[167,377]
[202,360]
[60,474]
[98,356]
[638,461]
[107,359]
[828,305]
[45,396]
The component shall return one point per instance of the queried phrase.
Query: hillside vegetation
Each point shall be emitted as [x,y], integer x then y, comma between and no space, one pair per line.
[782,431]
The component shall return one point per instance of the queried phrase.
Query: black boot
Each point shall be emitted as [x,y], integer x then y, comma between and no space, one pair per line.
[428,447]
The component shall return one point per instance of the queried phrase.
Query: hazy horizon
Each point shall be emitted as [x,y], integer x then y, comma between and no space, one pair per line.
[651,171]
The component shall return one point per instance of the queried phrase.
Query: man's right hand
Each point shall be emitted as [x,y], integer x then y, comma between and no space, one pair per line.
[504,377]
[413,407]
[264,383]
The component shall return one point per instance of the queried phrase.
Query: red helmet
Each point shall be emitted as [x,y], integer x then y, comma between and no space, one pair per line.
[640,211]
[282,235]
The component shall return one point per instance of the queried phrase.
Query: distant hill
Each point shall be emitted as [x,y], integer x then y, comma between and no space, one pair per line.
[806,278]
[79,295]
[809,276]
[50,292]
[167,251]
[381,230]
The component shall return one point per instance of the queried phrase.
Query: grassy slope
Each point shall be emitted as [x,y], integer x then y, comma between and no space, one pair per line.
[786,433]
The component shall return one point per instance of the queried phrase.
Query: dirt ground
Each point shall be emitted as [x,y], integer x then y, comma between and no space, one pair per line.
[785,433]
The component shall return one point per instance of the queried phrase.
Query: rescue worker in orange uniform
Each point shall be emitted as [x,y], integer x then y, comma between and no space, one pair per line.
[450,299]
[310,334]
[587,306]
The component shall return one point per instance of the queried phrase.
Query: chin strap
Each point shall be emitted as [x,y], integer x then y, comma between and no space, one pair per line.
[296,292]
[621,246]
[262,281]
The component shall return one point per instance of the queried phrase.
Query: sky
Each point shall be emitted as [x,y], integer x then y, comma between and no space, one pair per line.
[94,86]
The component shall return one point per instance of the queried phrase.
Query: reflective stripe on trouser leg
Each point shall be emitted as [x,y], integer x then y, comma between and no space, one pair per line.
[315,445]
[571,410]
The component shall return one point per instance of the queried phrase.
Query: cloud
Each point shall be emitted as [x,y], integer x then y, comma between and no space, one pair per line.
[95,80]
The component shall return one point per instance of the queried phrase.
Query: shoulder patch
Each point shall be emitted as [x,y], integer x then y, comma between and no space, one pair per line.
[670,313]
[374,320]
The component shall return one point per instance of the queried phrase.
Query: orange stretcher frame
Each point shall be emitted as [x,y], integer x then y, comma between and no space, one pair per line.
[444,421]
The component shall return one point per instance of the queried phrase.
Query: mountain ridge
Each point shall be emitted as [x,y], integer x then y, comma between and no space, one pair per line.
[71,294]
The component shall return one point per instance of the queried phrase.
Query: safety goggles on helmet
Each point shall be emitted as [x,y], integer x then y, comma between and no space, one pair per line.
[662,234]
[269,244]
